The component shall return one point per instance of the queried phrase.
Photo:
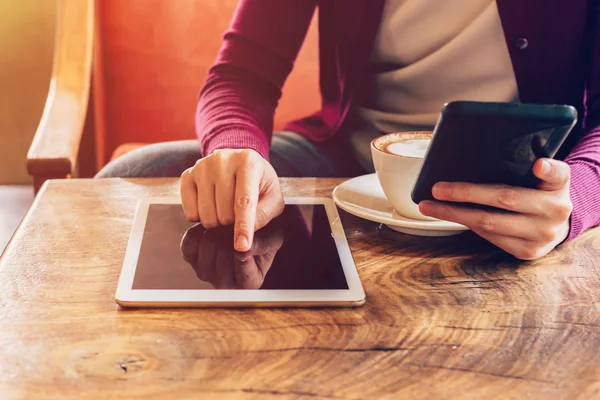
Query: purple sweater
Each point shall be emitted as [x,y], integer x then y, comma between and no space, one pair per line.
[554,47]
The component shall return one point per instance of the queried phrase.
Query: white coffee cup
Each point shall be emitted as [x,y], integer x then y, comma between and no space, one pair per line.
[398,158]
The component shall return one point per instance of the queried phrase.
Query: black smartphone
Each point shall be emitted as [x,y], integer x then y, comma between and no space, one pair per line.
[482,142]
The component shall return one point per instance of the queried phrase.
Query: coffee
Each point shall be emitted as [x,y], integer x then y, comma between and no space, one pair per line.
[398,158]
[405,144]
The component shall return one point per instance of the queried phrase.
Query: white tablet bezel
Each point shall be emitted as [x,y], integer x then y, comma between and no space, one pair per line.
[128,297]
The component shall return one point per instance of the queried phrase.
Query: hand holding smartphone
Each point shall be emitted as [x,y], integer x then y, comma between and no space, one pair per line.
[498,143]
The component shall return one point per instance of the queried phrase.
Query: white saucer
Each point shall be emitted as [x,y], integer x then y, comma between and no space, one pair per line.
[362,196]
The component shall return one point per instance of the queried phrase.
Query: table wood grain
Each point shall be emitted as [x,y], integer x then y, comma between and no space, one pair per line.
[448,318]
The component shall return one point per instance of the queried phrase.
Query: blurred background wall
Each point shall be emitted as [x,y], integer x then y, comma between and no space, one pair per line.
[26,47]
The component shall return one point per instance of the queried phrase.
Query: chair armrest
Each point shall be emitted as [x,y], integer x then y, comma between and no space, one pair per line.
[54,150]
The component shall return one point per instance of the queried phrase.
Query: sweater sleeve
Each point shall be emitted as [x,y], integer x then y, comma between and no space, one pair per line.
[238,101]
[584,160]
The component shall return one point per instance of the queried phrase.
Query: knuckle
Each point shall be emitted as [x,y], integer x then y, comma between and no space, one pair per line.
[191,213]
[243,202]
[564,210]
[226,219]
[209,223]
[486,222]
[508,197]
[191,217]
[197,171]
[528,253]
[462,191]
[207,219]
[548,235]
[243,226]
[200,162]
[187,174]
[217,156]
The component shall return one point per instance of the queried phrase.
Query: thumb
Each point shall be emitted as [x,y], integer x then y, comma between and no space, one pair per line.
[270,205]
[553,174]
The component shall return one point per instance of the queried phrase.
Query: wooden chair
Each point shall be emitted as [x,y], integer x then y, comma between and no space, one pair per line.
[128,73]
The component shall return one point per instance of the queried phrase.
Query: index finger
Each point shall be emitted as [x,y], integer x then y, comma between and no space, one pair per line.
[246,198]
[511,198]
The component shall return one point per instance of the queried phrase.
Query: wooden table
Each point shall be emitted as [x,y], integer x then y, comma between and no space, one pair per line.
[445,317]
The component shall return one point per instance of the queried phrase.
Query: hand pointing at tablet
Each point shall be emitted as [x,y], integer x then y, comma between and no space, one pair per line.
[232,186]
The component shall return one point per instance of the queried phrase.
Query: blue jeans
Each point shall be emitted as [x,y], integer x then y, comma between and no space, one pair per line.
[292,155]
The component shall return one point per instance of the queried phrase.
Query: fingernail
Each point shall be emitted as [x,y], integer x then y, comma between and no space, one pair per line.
[441,189]
[241,242]
[546,167]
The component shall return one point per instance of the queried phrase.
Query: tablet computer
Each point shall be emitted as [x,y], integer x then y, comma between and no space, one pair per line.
[301,259]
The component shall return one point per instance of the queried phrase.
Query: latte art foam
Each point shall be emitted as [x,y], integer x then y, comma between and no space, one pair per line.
[409,147]
[404,144]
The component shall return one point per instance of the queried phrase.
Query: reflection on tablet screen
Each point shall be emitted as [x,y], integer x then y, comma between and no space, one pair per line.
[295,251]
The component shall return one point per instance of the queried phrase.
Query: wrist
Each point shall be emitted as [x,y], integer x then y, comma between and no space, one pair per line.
[236,139]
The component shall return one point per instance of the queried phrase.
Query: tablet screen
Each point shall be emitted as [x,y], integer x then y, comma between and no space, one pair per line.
[295,251]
